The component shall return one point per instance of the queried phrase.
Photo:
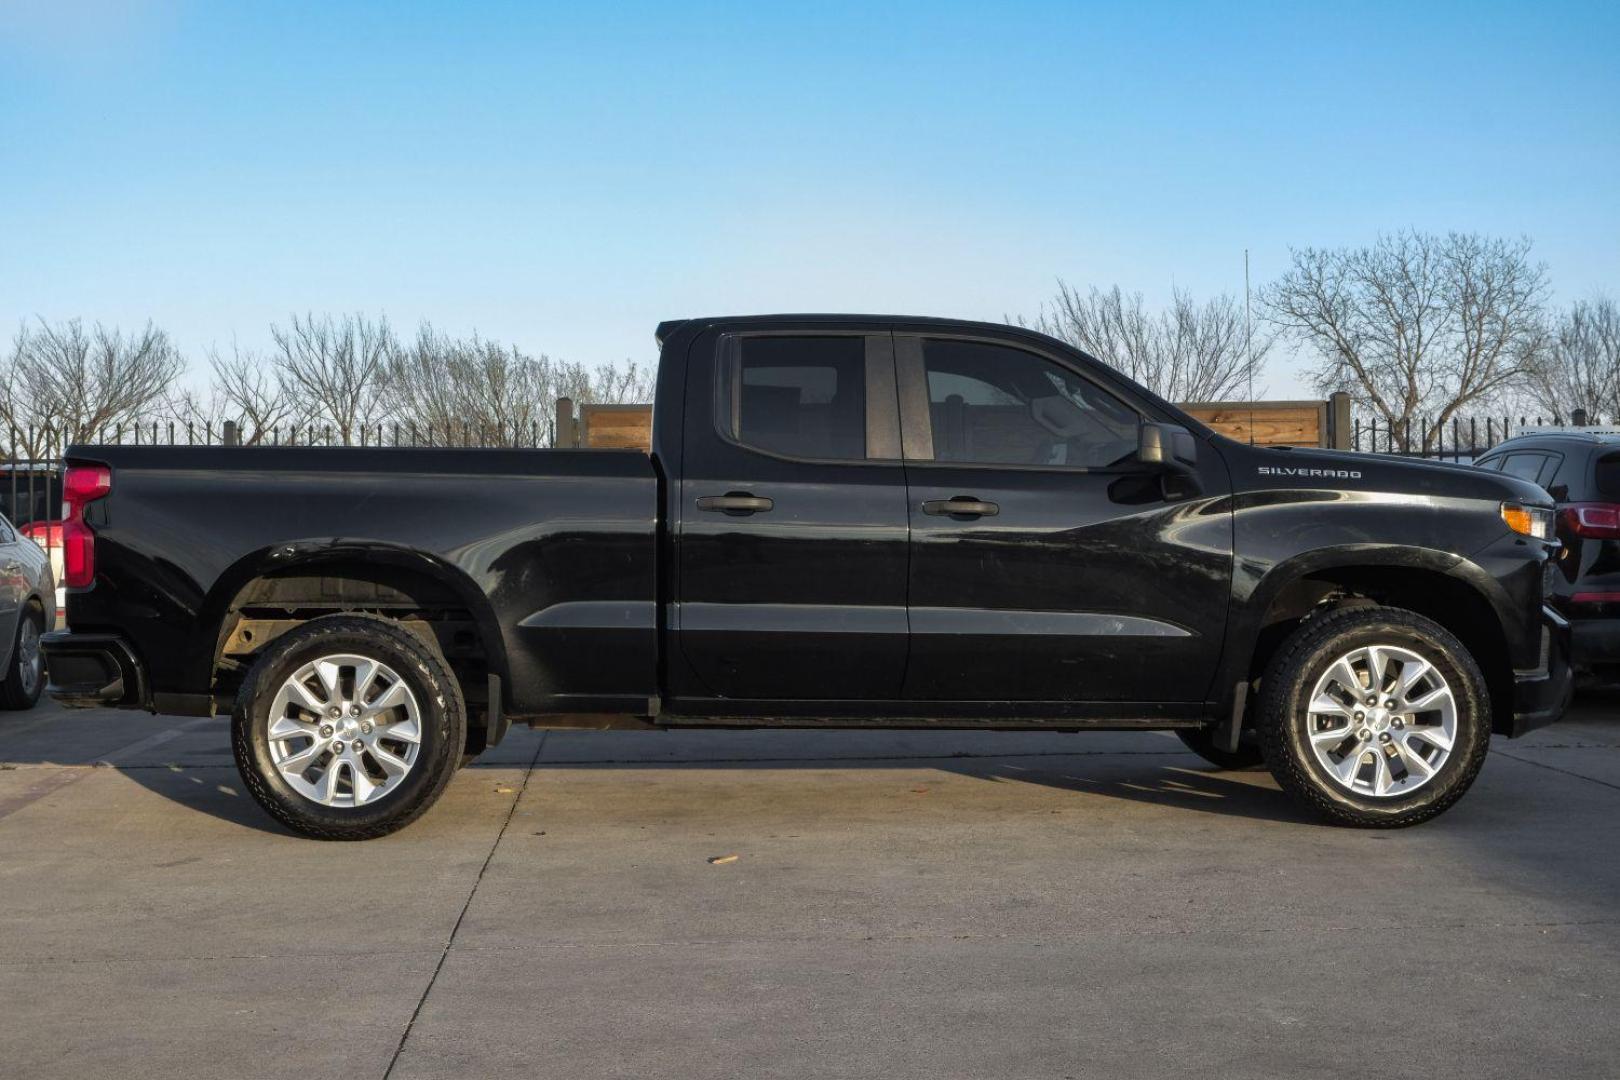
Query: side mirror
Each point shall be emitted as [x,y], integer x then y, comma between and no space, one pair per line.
[1169,445]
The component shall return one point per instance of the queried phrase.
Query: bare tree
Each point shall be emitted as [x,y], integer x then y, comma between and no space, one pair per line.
[1581,368]
[1189,352]
[629,385]
[66,383]
[252,390]
[335,371]
[1417,326]
[470,390]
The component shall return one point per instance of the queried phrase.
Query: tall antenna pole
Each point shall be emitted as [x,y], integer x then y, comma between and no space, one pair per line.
[1248,340]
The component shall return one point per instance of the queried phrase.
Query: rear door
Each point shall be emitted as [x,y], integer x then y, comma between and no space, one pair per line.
[1047,564]
[791,541]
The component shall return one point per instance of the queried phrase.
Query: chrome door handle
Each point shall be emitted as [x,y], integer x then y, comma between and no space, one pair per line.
[961,506]
[735,503]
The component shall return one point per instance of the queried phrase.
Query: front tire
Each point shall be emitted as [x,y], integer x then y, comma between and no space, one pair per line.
[348,728]
[1374,717]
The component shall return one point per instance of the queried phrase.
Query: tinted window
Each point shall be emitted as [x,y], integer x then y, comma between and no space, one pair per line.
[1525,466]
[1608,477]
[799,396]
[995,405]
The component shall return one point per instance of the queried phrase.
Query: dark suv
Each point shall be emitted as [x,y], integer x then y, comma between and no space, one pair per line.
[1581,470]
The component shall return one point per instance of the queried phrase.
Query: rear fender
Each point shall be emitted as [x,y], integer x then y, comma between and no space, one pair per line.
[314,553]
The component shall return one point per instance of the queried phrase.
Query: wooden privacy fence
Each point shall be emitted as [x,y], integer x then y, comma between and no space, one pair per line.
[1265,423]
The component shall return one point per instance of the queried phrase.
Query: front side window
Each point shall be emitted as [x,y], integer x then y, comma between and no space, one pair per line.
[801,397]
[997,405]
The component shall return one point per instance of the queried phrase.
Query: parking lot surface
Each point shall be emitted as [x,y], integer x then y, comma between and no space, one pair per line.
[901,905]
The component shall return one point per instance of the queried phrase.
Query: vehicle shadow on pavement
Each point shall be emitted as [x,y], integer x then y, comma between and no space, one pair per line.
[1198,787]
[189,762]
[1186,786]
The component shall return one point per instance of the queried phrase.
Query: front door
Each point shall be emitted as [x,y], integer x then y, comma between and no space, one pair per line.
[1047,564]
[792,521]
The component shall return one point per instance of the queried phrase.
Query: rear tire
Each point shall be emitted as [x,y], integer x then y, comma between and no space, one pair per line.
[25,674]
[1201,741]
[348,728]
[1374,717]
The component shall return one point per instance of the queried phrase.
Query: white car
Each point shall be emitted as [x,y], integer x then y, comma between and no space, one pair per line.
[28,606]
[48,535]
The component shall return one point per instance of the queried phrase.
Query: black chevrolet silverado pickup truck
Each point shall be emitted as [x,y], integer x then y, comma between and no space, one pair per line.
[845,521]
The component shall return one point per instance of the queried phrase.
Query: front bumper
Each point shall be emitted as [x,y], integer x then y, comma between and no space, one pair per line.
[1540,696]
[90,671]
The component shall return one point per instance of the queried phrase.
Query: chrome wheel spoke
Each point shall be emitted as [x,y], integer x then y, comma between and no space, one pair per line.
[391,763]
[1433,734]
[298,762]
[364,788]
[1330,737]
[1430,700]
[1416,764]
[391,698]
[328,672]
[1330,705]
[1383,776]
[1377,668]
[326,786]
[1348,766]
[299,694]
[406,731]
[285,727]
[365,674]
[344,729]
[1411,675]
[1343,675]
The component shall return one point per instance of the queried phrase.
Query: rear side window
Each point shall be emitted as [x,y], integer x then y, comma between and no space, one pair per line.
[801,397]
[1525,466]
[1608,476]
[996,405]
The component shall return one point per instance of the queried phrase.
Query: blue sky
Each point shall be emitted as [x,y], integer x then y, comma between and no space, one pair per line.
[564,176]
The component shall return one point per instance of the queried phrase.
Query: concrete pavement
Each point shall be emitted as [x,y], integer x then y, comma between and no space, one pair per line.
[903,904]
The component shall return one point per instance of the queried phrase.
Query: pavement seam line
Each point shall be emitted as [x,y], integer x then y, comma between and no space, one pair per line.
[466,906]
[1556,769]
[853,938]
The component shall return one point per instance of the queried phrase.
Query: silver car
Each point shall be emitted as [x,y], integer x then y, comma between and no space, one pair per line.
[27,610]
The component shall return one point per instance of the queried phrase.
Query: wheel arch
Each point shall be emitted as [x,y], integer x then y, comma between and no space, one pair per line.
[1441,586]
[308,567]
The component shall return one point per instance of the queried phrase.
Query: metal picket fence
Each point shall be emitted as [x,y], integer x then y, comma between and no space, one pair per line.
[31,483]
[1461,439]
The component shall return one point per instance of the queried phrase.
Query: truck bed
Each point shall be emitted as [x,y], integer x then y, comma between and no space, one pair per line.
[548,554]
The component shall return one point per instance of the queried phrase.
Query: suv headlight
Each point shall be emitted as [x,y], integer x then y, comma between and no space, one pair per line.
[1533,521]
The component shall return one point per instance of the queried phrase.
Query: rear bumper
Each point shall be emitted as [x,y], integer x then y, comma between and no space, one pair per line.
[93,671]
[1541,696]
[1594,641]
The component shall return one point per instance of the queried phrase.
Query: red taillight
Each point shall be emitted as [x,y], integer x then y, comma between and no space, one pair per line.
[85,483]
[47,534]
[80,485]
[1598,521]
